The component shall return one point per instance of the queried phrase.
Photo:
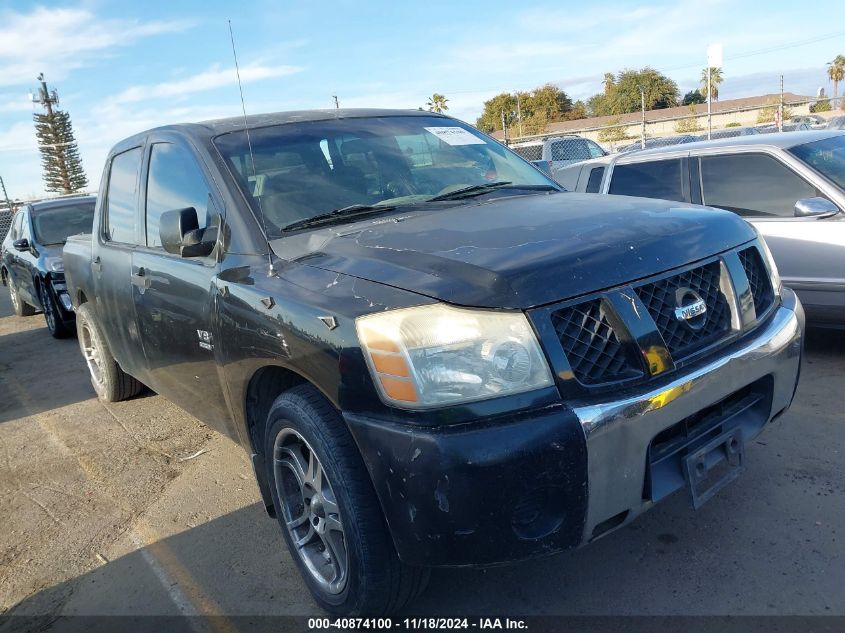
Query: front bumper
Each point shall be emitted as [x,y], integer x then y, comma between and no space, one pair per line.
[538,482]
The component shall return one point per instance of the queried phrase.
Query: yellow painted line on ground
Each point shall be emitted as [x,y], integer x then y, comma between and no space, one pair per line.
[187,595]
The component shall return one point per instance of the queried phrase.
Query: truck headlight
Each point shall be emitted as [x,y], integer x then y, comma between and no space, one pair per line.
[54,264]
[438,355]
[774,276]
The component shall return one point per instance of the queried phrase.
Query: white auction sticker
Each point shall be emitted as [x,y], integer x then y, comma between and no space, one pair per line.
[455,136]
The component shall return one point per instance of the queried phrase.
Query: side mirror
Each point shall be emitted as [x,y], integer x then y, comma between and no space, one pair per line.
[180,234]
[21,245]
[815,208]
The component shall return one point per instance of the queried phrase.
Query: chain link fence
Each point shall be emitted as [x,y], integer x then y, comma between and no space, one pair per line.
[6,216]
[630,132]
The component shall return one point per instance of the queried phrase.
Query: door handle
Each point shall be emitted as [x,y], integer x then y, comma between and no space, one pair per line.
[140,279]
[96,265]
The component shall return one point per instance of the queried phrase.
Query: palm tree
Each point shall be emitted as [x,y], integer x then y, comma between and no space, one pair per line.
[608,82]
[437,103]
[715,79]
[836,73]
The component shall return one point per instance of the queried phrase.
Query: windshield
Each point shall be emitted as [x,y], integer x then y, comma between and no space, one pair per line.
[827,157]
[54,224]
[304,170]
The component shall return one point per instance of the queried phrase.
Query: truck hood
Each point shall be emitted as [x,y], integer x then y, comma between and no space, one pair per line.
[520,251]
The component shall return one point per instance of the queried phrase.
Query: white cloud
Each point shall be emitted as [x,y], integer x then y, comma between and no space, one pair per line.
[60,40]
[214,77]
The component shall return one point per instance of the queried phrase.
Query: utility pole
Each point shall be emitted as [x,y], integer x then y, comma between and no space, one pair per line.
[45,98]
[780,107]
[336,102]
[504,127]
[642,105]
[709,99]
[519,113]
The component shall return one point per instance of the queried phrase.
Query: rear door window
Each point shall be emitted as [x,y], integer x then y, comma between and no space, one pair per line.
[122,197]
[657,179]
[594,181]
[754,185]
[175,181]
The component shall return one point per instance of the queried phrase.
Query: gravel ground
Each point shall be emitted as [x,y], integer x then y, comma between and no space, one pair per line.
[100,515]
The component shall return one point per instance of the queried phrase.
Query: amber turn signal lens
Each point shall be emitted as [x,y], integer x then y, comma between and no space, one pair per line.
[398,389]
[394,365]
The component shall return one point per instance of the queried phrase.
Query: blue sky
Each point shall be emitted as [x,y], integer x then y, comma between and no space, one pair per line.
[123,67]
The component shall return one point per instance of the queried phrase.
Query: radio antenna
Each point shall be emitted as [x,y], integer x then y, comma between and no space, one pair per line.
[271,270]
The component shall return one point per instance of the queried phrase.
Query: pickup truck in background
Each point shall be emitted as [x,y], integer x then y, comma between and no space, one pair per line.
[556,153]
[433,355]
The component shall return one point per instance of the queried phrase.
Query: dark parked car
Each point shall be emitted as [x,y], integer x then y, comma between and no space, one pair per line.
[836,123]
[730,132]
[787,127]
[791,187]
[433,355]
[31,258]
[814,121]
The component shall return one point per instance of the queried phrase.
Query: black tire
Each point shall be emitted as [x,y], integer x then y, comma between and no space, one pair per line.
[53,315]
[377,582]
[111,383]
[21,307]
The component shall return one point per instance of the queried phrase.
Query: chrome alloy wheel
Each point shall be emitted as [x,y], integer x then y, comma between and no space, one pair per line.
[310,511]
[50,310]
[13,293]
[91,351]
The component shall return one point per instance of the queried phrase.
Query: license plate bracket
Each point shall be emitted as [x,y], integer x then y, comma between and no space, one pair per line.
[713,466]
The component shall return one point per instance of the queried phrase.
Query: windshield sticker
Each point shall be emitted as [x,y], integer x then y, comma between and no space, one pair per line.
[455,136]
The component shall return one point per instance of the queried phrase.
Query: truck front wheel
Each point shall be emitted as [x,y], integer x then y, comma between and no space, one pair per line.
[111,383]
[328,510]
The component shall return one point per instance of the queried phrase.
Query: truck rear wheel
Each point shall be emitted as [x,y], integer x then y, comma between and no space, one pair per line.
[329,513]
[111,383]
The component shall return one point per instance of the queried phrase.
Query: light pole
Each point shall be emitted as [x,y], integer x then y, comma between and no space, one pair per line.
[642,106]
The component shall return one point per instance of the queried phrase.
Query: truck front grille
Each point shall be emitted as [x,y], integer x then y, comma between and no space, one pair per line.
[591,345]
[758,279]
[626,334]
[660,301]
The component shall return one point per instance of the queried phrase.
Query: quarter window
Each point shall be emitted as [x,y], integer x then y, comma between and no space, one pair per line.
[174,182]
[657,179]
[755,185]
[121,199]
[594,181]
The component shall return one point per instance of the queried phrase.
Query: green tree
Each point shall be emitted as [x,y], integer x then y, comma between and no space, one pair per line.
[836,73]
[767,114]
[822,105]
[578,111]
[693,97]
[614,132]
[715,79]
[503,105]
[60,161]
[622,94]
[437,103]
[539,107]
[689,124]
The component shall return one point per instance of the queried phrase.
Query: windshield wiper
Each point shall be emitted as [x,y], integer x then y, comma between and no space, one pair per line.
[477,190]
[338,215]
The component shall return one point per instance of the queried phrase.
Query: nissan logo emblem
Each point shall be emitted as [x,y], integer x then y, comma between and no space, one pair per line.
[689,306]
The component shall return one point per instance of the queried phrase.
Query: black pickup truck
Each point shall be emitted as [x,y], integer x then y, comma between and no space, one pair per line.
[434,355]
